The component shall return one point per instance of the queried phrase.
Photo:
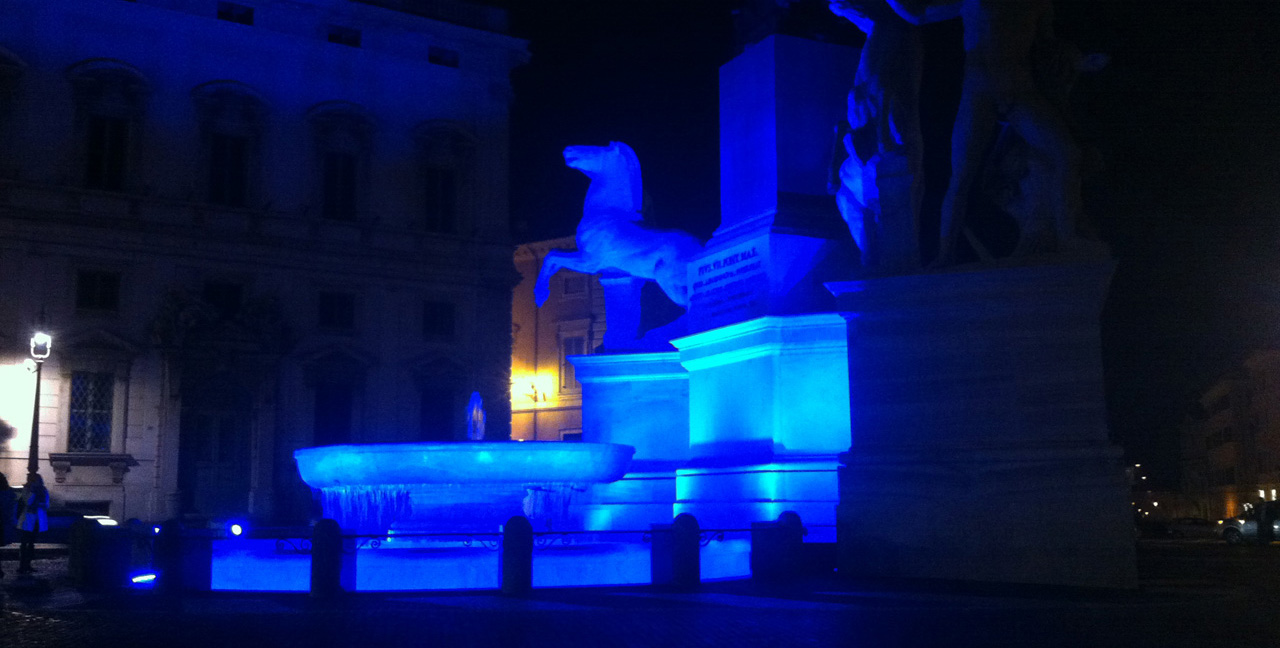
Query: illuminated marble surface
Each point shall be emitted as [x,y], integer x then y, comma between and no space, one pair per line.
[457,487]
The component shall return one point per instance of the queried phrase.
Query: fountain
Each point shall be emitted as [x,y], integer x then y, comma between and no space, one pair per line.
[456,487]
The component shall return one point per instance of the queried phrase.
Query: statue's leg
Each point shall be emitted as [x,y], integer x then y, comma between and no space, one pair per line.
[1045,129]
[975,127]
[550,266]
[671,271]
[557,260]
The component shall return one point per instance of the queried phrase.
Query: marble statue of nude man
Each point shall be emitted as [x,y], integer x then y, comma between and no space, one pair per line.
[999,86]
[882,182]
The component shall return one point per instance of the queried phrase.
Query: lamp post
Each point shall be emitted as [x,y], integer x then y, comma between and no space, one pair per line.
[40,345]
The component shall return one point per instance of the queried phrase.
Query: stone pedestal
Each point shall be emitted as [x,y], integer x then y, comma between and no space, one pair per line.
[780,234]
[768,405]
[979,435]
[641,400]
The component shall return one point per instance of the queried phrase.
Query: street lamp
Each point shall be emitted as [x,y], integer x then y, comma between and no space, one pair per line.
[40,345]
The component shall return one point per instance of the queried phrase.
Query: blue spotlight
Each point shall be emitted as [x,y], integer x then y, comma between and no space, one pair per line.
[143,580]
[237,529]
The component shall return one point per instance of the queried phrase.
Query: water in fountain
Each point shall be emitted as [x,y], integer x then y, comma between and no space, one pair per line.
[475,417]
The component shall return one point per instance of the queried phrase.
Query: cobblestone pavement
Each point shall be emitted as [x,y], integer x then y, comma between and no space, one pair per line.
[1179,604]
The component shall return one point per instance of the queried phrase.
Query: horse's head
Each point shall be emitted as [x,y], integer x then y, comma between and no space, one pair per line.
[615,163]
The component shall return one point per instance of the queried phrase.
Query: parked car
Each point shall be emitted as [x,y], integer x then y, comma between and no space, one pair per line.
[1245,527]
[1190,527]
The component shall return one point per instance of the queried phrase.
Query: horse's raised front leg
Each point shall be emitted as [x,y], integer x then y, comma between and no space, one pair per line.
[553,263]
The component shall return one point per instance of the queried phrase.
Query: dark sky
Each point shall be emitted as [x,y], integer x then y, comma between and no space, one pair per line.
[1186,118]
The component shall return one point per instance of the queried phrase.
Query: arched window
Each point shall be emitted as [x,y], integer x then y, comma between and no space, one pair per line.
[448,160]
[440,382]
[231,117]
[336,378]
[343,136]
[110,99]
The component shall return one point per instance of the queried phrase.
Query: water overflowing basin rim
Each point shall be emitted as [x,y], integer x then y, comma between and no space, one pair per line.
[545,462]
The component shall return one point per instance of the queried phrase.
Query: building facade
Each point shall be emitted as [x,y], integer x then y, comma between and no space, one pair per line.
[546,397]
[1231,445]
[249,227]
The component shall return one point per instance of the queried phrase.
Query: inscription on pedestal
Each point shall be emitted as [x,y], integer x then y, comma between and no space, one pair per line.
[729,285]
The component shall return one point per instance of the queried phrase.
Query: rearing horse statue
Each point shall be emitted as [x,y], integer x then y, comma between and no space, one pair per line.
[612,234]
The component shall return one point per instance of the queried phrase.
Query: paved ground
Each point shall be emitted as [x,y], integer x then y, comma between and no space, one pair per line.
[1192,594]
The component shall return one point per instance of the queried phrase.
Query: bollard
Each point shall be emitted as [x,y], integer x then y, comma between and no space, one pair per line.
[197,559]
[333,561]
[675,553]
[80,551]
[167,559]
[515,566]
[776,548]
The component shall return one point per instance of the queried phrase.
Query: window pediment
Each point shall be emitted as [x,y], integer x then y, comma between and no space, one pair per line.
[109,87]
[229,107]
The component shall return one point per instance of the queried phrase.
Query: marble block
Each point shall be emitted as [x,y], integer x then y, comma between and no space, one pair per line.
[979,445]
[643,397]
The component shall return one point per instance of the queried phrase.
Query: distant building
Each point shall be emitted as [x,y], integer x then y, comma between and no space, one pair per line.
[250,227]
[1231,446]
[546,398]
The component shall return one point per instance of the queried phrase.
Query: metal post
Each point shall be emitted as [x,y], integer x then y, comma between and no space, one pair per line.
[33,455]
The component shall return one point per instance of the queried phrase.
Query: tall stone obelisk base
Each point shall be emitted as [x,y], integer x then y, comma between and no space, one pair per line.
[979,434]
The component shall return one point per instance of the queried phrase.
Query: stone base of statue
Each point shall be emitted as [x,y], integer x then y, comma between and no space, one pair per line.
[768,418]
[979,434]
[643,398]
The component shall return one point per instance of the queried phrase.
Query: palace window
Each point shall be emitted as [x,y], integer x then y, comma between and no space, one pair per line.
[448,157]
[344,36]
[441,208]
[106,152]
[442,56]
[110,97]
[342,135]
[334,411]
[570,346]
[439,320]
[231,121]
[228,169]
[575,285]
[92,409]
[336,311]
[339,185]
[225,297]
[232,12]
[97,290]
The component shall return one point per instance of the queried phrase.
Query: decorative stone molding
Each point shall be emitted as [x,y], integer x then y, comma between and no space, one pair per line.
[118,463]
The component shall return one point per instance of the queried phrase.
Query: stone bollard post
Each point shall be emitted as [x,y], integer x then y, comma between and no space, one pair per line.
[167,559]
[776,548]
[333,561]
[675,553]
[80,551]
[515,567]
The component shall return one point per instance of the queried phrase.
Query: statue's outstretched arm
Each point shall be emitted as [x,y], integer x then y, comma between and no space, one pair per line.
[846,10]
[923,12]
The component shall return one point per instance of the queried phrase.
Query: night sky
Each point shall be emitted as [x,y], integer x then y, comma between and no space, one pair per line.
[1186,119]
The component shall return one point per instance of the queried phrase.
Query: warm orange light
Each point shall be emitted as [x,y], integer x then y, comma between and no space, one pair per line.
[531,389]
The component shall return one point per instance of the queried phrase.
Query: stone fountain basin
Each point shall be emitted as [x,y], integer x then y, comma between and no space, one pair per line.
[456,487]
[501,462]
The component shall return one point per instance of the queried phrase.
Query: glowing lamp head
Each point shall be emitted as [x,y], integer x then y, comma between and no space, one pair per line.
[41,343]
[236,529]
